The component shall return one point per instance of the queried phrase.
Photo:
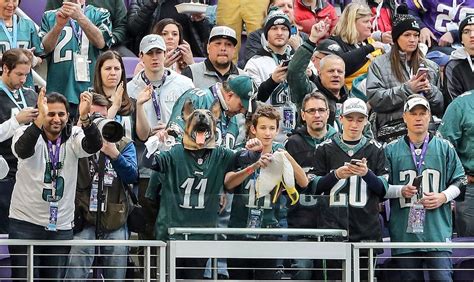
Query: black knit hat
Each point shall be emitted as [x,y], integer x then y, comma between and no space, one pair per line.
[276,18]
[402,23]
[468,20]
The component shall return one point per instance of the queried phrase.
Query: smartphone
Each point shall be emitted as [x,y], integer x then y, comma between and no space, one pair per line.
[421,71]
[355,161]
[285,63]
[417,181]
[293,30]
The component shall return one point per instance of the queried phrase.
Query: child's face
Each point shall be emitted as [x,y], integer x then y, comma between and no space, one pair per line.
[266,130]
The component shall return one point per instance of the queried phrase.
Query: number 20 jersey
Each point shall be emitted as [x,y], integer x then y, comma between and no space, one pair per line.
[61,77]
[440,169]
[351,194]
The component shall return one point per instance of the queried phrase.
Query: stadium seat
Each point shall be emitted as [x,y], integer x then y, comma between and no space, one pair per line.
[199,59]
[467,274]
[34,9]
[130,63]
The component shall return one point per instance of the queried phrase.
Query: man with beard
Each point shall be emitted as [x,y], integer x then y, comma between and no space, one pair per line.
[269,67]
[218,65]
[42,205]
[16,106]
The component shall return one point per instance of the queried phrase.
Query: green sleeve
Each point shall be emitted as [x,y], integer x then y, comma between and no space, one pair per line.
[450,127]
[298,81]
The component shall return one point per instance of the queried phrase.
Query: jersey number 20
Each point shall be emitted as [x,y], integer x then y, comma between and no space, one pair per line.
[357,193]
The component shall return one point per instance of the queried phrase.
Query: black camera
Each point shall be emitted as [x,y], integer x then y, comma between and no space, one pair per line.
[111,130]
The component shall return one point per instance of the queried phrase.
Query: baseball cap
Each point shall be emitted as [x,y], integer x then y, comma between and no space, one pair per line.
[416,100]
[354,105]
[328,47]
[223,32]
[152,41]
[244,87]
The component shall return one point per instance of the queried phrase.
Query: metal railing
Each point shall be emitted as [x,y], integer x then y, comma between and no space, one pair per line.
[259,249]
[370,247]
[146,245]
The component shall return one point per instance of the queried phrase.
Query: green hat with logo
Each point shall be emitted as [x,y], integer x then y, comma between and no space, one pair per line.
[244,87]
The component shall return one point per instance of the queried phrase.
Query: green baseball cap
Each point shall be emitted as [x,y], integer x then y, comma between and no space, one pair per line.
[244,87]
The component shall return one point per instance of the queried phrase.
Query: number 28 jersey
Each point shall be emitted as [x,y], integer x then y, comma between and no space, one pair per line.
[61,77]
[190,188]
[352,193]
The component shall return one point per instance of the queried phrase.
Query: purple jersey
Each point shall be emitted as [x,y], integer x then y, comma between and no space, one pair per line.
[441,15]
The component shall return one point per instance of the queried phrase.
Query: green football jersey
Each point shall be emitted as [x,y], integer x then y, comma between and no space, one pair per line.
[440,169]
[227,127]
[26,37]
[190,188]
[61,75]
[245,199]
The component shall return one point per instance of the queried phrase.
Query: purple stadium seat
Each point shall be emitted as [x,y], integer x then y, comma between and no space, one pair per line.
[199,59]
[130,63]
[467,274]
[34,9]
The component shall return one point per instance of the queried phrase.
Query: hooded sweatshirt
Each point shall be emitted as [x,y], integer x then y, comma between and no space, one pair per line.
[458,75]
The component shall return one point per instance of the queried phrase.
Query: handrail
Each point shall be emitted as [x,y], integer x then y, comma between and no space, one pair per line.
[259,231]
[130,243]
[413,245]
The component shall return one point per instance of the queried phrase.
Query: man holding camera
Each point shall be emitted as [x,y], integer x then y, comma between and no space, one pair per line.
[420,211]
[269,67]
[42,205]
[350,169]
[119,160]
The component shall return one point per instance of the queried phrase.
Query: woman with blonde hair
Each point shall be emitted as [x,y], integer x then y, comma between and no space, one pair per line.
[352,34]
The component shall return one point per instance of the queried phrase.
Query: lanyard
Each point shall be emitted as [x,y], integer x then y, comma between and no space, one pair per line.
[156,94]
[13,39]
[11,96]
[224,119]
[54,156]
[76,28]
[419,163]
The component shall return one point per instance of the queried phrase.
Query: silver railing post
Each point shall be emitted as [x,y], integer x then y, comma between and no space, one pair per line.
[30,263]
[356,263]
[147,264]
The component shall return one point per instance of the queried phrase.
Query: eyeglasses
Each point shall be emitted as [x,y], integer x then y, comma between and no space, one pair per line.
[312,111]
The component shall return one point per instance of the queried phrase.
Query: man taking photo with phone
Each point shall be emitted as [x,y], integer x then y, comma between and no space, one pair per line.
[350,169]
[422,214]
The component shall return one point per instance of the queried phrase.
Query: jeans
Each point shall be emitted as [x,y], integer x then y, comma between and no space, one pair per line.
[112,258]
[430,260]
[465,214]
[50,266]
[6,189]
[301,267]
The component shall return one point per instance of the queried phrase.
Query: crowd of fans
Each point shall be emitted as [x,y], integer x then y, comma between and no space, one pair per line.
[328,119]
